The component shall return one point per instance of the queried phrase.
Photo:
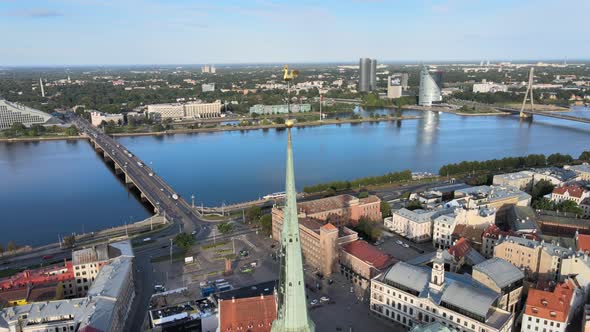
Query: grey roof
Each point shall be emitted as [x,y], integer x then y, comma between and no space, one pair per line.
[584,168]
[477,300]
[461,291]
[473,257]
[445,219]
[432,327]
[413,277]
[500,271]
[111,278]
[522,218]
[550,248]
[556,172]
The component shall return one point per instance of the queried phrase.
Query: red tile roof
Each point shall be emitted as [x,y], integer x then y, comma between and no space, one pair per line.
[572,190]
[584,242]
[369,254]
[254,314]
[551,305]
[329,227]
[460,249]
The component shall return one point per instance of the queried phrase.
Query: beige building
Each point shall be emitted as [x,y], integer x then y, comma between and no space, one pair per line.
[96,118]
[414,225]
[569,192]
[320,240]
[185,111]
[521,180]
[348,207]
[360,262]
[503,278]
[443,227]
[582,170]
[87,263]
[538,260]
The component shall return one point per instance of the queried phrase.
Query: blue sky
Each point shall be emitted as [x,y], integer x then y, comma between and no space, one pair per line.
[79,32]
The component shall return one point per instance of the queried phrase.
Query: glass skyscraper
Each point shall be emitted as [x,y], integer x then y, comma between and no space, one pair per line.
[430,91]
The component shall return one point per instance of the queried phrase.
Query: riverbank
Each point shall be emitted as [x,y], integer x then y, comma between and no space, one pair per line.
[453,109]
[270,126]
[40,138]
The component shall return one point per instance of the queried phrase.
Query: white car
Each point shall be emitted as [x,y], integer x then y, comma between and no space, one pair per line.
[405,245]
[399,242]
[324,299]
[314,302]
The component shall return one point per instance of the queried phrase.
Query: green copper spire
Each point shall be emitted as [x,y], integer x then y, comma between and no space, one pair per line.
[292,305]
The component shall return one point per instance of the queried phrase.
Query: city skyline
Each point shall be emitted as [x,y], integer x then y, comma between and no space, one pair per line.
[111,33]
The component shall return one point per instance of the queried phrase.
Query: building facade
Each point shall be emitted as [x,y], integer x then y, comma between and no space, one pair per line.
[185,111]
[503,278]
[367,75]
[569,192]
[552,311]
[415,295]
[280,109]
[414,225]
[522,180]
[489,87]
[443,227]
[360,262]
[394,87]
[11,113]
[583,171]
[96,118]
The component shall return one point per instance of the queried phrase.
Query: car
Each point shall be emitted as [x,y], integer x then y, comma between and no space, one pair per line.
[161,189]
[399,242]
[244,253]
[46,257]
[193,232]
[330,281]
[324,299]
[314,302]
[147,239]
[159,288]
[164,246]
[405,245]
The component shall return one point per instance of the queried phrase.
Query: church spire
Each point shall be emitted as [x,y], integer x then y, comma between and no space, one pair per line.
[292,305]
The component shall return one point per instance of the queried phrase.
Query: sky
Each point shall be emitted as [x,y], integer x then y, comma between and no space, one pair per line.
[113,32]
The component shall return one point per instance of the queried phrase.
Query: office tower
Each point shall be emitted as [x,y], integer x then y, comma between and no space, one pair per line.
[41,85]
[364,73]
[373,75]
[394,87]
[429,91]
[292,305]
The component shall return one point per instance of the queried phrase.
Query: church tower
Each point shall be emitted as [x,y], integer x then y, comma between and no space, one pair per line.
[437,276]
[292,305]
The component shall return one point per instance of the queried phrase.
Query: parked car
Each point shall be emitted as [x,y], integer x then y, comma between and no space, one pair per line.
[399,242]
[314,302]
[324,299]
[405,245]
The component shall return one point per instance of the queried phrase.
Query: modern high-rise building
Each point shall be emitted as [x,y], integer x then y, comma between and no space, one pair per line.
[430,91]
[292,313]
[367,75]
[404,80]
[373,75]
[394,87]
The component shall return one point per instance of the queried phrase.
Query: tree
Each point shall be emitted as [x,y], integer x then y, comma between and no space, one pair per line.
[253,214]
[11,246]
[559,159]
[72,131]
[225,228]
[413,205]
[541,189]
[69,241]
[569,206]
[184,241]
[266,224]
[543,204]
[363,194]
[279,120]
[585,156]
[385,209]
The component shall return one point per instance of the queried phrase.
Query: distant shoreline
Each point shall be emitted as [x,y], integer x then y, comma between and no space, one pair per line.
[217,129]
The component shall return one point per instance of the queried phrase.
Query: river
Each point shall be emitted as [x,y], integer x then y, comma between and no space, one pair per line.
[59,187]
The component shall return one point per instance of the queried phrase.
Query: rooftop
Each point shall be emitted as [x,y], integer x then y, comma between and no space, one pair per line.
[516,176]
[327,204]
[500,271]
[583,242]
[551,305]
[584,168]
[556,172]
[264,288]
[569,190]
[254,314]
[89,255]
[368,254]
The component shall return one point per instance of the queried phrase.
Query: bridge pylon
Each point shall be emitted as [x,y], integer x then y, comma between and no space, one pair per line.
[528,93]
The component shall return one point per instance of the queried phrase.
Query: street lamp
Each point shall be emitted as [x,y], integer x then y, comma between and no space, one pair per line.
[193,200]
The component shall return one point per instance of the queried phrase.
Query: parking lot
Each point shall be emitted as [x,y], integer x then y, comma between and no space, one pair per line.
[391,246]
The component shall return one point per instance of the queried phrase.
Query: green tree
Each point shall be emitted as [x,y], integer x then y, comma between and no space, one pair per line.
[385,209]
[11,246]
[253,214]
[72,131]
[69,241]
[225,228]
[559,159]
[543,204]
[585,156]
[266,224]
[541,189]
[279,120]
[569,206]
[363,194]
[413,205]
[184,241]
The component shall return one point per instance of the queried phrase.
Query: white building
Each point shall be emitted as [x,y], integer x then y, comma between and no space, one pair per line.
[414,295]
[485,87]
[96,118]
[394,87]
[552,311]
[414,225]
[209,87]
[569,192]
[582,170]
[185,111]
[522,180]
[557,176]
[443,227]
[11,113]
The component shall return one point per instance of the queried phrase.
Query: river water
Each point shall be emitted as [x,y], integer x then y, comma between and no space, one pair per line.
[59,187]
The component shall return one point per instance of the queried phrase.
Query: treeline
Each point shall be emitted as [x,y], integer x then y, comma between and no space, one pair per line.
[19,130]
[505,164]
[366,181]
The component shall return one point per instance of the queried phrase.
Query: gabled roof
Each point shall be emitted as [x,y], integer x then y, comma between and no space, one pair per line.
[254,314]
[501,272]
[368,254]
[569,190]
[551,305]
